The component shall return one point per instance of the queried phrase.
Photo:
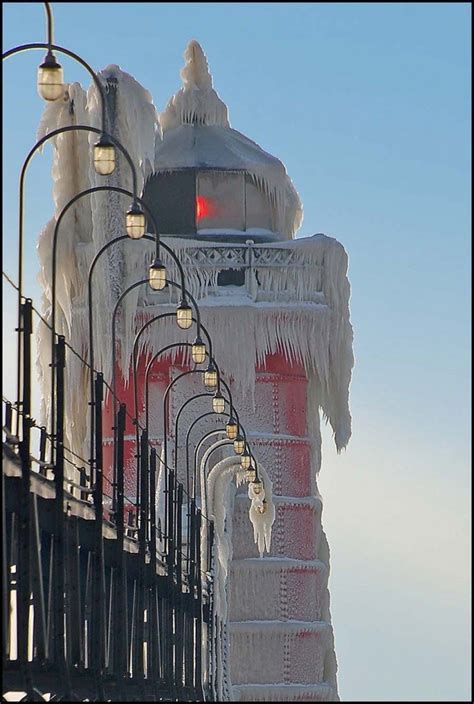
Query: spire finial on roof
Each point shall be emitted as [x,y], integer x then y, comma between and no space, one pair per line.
[196,103]
[195,73]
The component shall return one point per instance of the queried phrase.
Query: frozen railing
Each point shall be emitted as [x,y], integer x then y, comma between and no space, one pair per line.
[261,272]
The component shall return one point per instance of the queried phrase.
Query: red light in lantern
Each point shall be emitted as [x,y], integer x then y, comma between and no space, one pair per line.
[204,208]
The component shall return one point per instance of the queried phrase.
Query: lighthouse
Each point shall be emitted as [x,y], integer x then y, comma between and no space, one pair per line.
[277,307]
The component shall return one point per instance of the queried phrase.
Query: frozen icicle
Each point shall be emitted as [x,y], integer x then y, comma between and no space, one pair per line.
[239,478]
[262,517]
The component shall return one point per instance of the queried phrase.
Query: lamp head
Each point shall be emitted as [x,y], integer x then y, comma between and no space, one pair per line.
[239,445]
[157,275]
[198,351]
[135,223]
[211,377]
[245,460]
[231,428]
[104,156]
[218,403]
[184,315]
[50,81]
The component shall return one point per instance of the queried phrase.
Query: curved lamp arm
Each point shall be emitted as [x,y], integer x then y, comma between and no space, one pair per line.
[49,23]
[38,145]
[148,371]
[114,316]
[188,434]
[205,458]
[176,424]
[89,191]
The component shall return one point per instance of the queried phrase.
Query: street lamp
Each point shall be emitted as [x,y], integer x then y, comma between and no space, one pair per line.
[50,73]
[104,156]
[256,487]
[114,315]
[157,275]
[188,435]
[91,271]
[198,351]
[239,445]
[232,428]
[184,315]
[218,403]
[50,78]
[250,474]
[35,148]
[210,376]
[135,222]
[245,460]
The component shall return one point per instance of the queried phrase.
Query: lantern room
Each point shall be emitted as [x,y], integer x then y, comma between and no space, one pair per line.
[210,181]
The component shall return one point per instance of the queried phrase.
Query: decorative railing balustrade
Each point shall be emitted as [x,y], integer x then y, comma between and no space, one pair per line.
[261,269]
[262,272]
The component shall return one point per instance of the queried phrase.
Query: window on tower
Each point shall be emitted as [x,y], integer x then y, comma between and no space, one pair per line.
[189,201]
[221,197]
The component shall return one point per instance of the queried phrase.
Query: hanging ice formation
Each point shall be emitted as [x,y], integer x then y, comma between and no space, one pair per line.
[294,305]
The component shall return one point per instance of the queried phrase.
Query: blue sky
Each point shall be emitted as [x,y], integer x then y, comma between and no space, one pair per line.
[368,106]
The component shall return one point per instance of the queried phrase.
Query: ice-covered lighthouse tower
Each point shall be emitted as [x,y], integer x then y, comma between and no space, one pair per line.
[277,310]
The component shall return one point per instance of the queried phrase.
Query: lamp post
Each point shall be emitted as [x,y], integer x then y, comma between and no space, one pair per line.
[35,148]
[158,244]
[168,517]
[219,411]
[188,435]
[207,454]
[138,335]
[198,358]
[114,386]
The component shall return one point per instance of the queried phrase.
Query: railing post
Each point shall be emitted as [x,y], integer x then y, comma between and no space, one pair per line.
[170,523]
[8,417]
[42,449]
[138,668]
[5,581]
[190,600]
[98,605]
[179,620]
[250,278]
[23,567]
[59,529]
[120,630]
[153,614]
[170,601]
[198,656]
[211,664]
